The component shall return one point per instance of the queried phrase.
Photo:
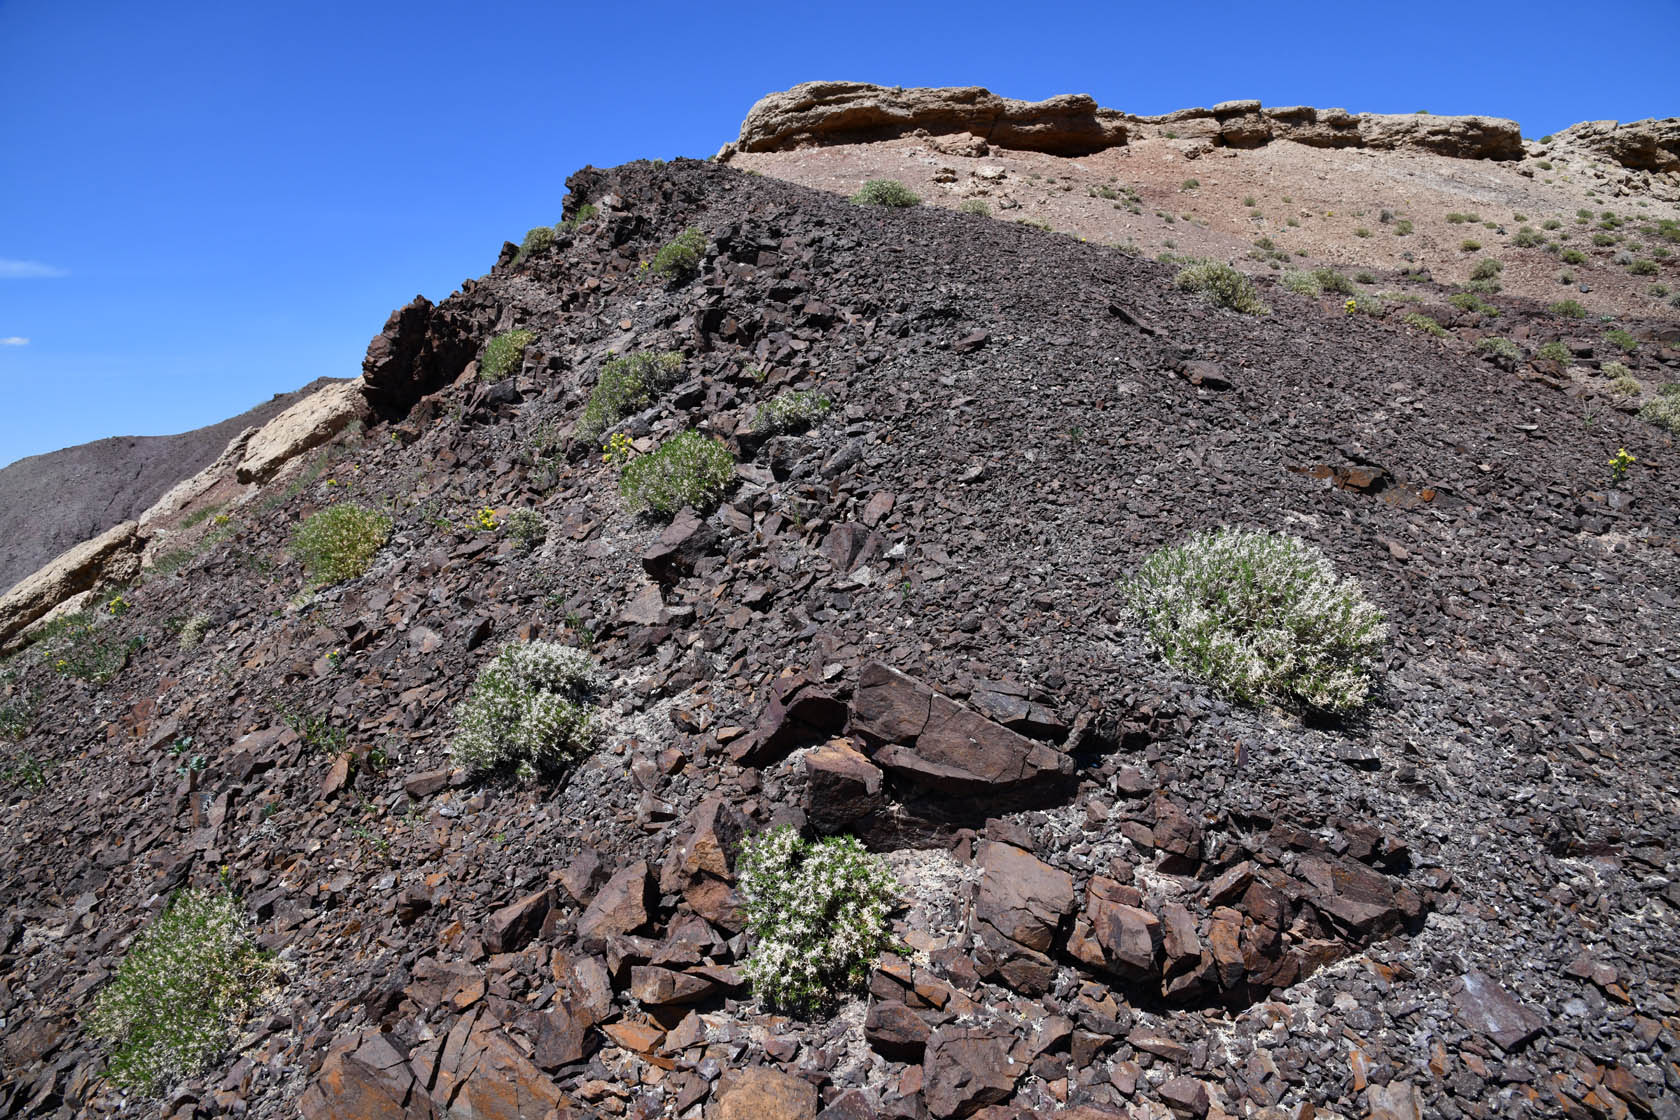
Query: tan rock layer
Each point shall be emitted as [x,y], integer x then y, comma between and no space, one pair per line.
[113,554]
[822,113]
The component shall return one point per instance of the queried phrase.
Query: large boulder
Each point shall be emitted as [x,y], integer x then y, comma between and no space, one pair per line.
[421,348]
[113,556]
[1648,145]
[1460,137]
[301,428]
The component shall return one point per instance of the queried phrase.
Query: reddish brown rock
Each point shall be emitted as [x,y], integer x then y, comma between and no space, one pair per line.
[1022,897]
[841,786]
[763,1094]
[513,926]
[621,907]
[966,1069]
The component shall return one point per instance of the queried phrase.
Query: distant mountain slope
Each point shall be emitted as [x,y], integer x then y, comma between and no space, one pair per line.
[50,502]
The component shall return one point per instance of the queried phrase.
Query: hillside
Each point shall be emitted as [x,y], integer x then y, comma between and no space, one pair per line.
[1120,894]
[52,501]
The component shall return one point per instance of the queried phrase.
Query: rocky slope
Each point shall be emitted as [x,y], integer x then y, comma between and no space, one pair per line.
[53,501]
[1121,895]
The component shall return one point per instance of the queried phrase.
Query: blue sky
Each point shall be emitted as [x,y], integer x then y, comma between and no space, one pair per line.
[204,204]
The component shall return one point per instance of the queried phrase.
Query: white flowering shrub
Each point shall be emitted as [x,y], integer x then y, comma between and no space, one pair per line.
[529,711]
[817,914]
[688,469]
[1262,617]
[184,984]
[339,542]
[1664,408]
[791,412]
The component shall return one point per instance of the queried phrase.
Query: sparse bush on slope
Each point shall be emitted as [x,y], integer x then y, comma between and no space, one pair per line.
[529,711]
[624,385]
[886,192]
[1664,409]
[504,355]
[688,469]
[791,412]
[680,259]
[1262,617]
[183,985]
[1223,285]
[339,542]
[816,913]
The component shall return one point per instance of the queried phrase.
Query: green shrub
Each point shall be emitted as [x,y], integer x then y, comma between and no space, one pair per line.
[1622,340]
[975,206]
[1302,282]
[1663,409]
[1261,616]
[1551,223]
[1424,323]
[681,258]
[1190,185]
[536,241]
[1403,227]
[1362,232]
[527,528]
[1470,301]
[816,914]
[885,192]
[1527,238]
[1499,349]
[504,355]
[1222,285]
[339,542]
[1643,268]
[1486,269]
[1458,219]
[185,983]
[789,412]
[529,711]
[79,645]
[625,384]
[688,469]
[1572,256]
[1603,240]
[579,216]
[1470,245]
[1622,381]
[1568,308]
[193,629]
[1553,352]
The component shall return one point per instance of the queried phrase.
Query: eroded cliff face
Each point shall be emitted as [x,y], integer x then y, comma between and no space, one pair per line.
[816,113]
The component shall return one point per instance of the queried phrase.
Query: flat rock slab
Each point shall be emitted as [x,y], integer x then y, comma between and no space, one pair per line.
[1488,1009]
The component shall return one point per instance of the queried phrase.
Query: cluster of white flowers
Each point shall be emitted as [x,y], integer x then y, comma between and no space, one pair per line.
[184,983]
[529,708]
[1262,616]
[791,412]
[817,913]
[688,469]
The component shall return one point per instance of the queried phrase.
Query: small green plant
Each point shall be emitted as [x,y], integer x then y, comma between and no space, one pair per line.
[1470,245]
[538,240]
[339,542]
[1568,309]
[1643,267]
[24,771]
[1663,409]
[1222,285]
[1603,240]
[1551,223]
[1261,616]
[1362,232]
[504,355]
[485,520]
[1622,381]
[791,412]
[975,206]
[530,711]
[1622,340]
[184,984]
[17,706]
[1189,185]
[1500,350]
[1458,219]
[1527,238]
[1553,352]
[886,192]
[1572,256]
[1421,322]
[681,258]
[1470,301]
[625,384]
[77,645]
[1486,269]
[816,916]
[1403,227]
[527,528]
[688,469]
[579,216]
[1619,464]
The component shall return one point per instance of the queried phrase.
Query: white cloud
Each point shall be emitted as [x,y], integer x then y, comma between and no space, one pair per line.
[28,270]
[14,341]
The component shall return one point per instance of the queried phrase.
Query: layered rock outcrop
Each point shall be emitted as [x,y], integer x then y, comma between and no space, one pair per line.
[1648,145]
[819,113]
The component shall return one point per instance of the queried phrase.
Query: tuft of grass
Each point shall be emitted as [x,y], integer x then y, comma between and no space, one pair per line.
[1486,269]
[1424,323]
[1403,227]
[530,711]
[183,986]
[1223,285]
[1622,340]
[1643,267]
[1470,245]
[688,469]
[886,192]
[624,385]
[680,259]
[1572,256]
[527,528]
[1190,185]
[1622,381]
[1553,352]
[339,542]
[791,412]
[504,354]
[975,206]
[1528,238]
[1261,616]
[1469,301]
[816,914]
[581,215]
[1501,350]
[1568,309]
[80,645]
[1663,409]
